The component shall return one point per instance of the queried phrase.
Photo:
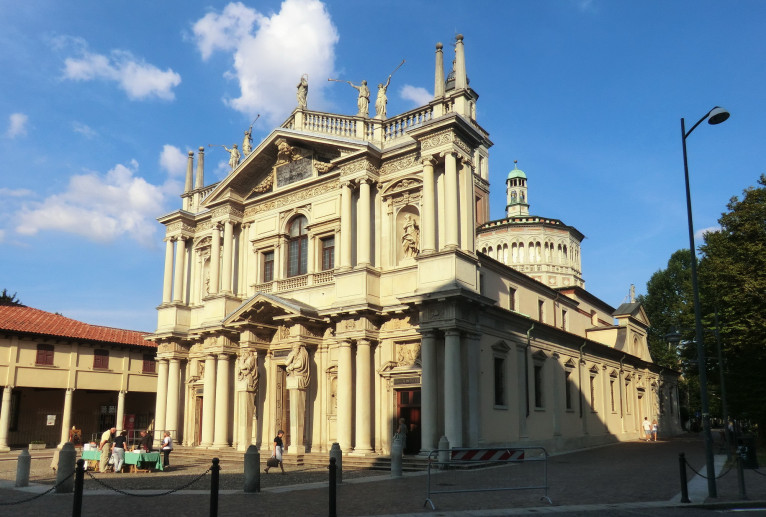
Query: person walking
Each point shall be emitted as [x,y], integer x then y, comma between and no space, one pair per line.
[167,446]
[647,429]
[105,446]
[118,451]
[278,448]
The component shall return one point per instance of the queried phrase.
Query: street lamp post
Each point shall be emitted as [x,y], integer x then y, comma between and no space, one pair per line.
[714,116]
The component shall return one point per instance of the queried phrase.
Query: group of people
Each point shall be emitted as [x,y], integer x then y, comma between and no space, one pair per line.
[650,429]
[112,446]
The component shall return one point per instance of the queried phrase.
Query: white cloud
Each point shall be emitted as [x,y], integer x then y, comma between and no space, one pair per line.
[173,160]
[139,79]
[272,52]
[418,95]
[20,192]
[118,204]
[83,129]
[17,125]
[700,234]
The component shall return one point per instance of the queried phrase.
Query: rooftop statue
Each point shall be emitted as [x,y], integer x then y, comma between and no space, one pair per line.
[303,91]
[382,100]
[234,156]
[363,101]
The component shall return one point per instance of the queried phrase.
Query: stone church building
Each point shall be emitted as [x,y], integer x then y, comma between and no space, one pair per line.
[346,275]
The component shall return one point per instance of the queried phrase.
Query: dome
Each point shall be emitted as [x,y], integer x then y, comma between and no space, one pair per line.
[516,172]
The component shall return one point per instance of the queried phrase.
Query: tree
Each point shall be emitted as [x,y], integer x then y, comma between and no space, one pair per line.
[733,269]
[9,299]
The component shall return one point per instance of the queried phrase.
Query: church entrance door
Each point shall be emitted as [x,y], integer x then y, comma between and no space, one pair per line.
[198,420]
[408,407]
[282,417]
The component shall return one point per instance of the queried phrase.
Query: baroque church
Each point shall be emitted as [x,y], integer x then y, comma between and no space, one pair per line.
[345,275]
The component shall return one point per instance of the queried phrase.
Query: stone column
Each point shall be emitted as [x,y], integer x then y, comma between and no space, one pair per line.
[297,418]
[468,214]
[228,243]
[174,379]
[453,389]
[222,402]
[363,224]
[245,266]
[345,393]
[363,397]
[451,219]
[473,349]
[66,418]
[167,281]
[162,399]
[120,411]
[345,227]
[428,391]
[208,402]
[439,72]
[5,419]
[178,277]
[428,216]
[215,260]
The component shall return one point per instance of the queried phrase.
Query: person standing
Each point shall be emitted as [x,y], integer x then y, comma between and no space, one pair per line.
[647,429]
[655,428]
[146,442]
[167,446]
[278,448]
[105,446]
[118,451]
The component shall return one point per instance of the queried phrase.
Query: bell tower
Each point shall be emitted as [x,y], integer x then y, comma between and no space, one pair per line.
[517,202]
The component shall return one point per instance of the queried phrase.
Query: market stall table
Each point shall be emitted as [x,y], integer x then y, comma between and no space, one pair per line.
[137,460]
[92,458]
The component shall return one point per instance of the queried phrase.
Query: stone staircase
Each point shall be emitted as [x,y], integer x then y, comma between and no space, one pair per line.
[307,460]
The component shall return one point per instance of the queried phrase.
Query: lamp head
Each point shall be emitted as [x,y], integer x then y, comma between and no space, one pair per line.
[673,337]
[717,115]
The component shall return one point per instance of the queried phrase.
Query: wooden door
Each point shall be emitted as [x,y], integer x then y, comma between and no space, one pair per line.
[408,407]
[198,420]
[282,416]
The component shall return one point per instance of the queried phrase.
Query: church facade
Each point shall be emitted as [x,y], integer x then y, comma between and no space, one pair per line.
[334,283]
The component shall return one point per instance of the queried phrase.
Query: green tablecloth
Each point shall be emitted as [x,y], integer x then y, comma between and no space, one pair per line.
[153,459]
[91,455]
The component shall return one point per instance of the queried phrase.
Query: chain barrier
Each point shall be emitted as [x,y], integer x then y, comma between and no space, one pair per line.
[758,472]
[123,492]
[37,496]
[705,477]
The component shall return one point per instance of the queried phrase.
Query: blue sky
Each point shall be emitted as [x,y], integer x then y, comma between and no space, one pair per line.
[100,102]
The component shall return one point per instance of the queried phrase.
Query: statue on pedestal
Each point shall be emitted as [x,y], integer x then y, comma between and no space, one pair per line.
[234,156]
[382,100]
[247,371]
[303,91]
[410,237]
[363,101]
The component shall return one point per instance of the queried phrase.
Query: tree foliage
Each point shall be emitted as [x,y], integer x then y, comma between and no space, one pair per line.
[9,299]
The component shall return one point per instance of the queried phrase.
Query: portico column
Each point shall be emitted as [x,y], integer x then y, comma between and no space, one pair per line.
[453,389]
[468,216]
[345,391]
[363,441]
[474,400]
[120,411]
[179,272]
[174,378]
[222,402]
[345,226]
[215,260]
[5,419]
[428,391]
[363,222]
[66,418]
[228,243]
[428,217]
[162,398]
[451,205]
[167,281]
[208,402]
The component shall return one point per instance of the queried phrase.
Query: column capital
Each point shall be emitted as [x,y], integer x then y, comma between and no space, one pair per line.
[345,342]
[364,181]
[427,333]
[347,184]
[428,160]
[363,342]
[444,154]
[452,332]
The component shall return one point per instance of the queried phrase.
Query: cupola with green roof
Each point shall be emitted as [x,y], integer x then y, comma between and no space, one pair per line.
[516,192]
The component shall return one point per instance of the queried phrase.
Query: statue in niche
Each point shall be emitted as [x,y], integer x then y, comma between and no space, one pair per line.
[363,101]
[382,100]
[201,369]
[303,91]
[247,371]
[297,366]
[234,156]
[410,237]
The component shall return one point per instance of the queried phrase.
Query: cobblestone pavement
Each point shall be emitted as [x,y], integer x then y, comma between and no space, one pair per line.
[624,475]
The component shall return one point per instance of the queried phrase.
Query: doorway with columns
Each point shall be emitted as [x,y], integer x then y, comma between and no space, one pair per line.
[408,407]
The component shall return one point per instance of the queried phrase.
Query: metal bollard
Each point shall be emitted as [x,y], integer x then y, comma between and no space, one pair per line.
[336,453]
[214,472]
[64,479]
[333,488]
[684,485]
[396,458]
[252,469]
[741,479]
[22,468]
[443,456]
[79,477]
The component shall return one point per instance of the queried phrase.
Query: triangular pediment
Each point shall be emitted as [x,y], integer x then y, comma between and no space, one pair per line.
[283,159]
[270,311]
[635,311]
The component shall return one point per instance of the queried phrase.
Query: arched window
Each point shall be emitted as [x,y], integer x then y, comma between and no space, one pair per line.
[297,247]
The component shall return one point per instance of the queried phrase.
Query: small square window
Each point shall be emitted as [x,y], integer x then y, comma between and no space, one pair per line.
[150,366]
[44,355]
[101,359]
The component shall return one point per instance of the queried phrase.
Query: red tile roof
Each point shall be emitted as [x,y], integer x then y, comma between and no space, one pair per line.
[14,318]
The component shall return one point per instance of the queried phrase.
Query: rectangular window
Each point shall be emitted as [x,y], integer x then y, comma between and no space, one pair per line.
[268,266]
[499,381]
[627,398]
[512,298]
[568,389]
[150,366]
[328,253]
[297,253]
[101,359]
[593,394]
[541,311]
[611,393]
[564,319]
[44,355]
[538,386]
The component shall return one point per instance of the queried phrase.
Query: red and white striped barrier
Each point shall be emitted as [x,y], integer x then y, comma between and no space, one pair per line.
[488,454]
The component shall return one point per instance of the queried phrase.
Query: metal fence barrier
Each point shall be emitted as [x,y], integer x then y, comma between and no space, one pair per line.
[464,458]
